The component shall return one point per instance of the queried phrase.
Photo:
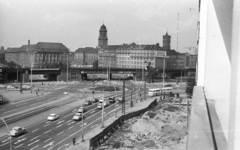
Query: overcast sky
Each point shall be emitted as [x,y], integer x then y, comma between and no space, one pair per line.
[76,23]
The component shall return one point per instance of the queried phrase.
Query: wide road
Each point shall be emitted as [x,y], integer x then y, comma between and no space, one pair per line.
[56,92]
[54,134]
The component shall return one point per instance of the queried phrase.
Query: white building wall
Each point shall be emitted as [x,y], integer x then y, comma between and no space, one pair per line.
[217,48]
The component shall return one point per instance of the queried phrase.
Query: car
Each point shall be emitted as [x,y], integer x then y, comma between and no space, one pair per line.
[26,87]
[88,102]
[119,99]
[16,131]
[82,109]
[53,117]
[95,100]
[78,116]
[65,93]
[111,99]
[1,99]
[2,86]
[101,102]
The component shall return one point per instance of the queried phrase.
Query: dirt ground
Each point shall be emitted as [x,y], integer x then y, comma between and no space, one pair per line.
[164,127]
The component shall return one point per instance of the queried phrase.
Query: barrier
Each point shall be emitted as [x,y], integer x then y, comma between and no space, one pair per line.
[109,130]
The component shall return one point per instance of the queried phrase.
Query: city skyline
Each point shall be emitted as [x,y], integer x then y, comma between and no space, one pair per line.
[77,23]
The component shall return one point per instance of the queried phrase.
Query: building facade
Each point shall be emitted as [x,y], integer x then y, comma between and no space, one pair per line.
[85,56]
[40,55]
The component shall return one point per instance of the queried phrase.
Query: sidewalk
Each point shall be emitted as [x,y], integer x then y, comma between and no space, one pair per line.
[85,145]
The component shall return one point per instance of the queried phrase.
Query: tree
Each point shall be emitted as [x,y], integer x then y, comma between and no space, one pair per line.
[151,73]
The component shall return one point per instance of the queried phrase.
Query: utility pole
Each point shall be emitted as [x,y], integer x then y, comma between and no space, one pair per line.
[21,78]
[123,97]
[131,105]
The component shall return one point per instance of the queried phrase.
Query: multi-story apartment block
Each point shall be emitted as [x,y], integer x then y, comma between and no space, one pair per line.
[86,56]
[40,55]
[181,61]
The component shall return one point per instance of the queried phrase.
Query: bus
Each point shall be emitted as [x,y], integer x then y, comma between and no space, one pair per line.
[167,89]
[153,92]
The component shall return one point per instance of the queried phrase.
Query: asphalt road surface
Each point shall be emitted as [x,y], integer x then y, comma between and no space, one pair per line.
[46,135]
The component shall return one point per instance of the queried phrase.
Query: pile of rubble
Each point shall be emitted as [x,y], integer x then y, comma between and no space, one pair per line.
[164,128]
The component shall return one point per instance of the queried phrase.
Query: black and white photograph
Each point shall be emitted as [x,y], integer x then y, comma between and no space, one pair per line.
[119,74]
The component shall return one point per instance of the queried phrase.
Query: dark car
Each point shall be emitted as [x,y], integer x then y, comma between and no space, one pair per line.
[111,99]
[119,99]
[1,99]
[88,102]
[95,100]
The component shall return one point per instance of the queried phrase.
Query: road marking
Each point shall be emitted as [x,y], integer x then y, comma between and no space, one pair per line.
[60,121]
[34,147]
[35,104]
[70,123]
[92,111]
[18,145]
[34,130]
[60,133]
[10,110]
[46,125]
[33,142]
[21,137]
[59,126]
[70,127]
[47,140]
[63,146]
[21,104]
[68,115]
[47,131]
[49,144]
[34,138]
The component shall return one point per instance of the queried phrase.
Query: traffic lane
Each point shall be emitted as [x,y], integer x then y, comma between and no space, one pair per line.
[42,134]
[17,107]
[69,128]
[87,122]
[37,131]
[46,137]
[36,141]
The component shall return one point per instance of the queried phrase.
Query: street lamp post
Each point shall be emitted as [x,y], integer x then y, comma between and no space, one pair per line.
[144,82]
[82,128]
[31,52]
[82,119]
[137,88]
[10,138]
[103,108]
[115,102]
[21,78]
[131,104]
[17,73]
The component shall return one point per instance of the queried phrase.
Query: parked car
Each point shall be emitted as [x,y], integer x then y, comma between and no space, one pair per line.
[53,117]
[111,99]
[88,102]
[78,116]
[82,109]
[16,131]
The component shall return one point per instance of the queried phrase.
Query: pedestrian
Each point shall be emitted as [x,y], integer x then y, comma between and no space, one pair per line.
[74,141]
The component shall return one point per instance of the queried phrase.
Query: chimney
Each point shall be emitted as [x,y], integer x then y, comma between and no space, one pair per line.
[28,42]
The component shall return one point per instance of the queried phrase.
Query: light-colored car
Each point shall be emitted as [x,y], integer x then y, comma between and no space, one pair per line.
[65,93]
[2,86]
[16,131]
[78,116]
[26,87]
[101,102]
[52,117]
[82,109]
